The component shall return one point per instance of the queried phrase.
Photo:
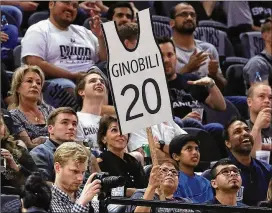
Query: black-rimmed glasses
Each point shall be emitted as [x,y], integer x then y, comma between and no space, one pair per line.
[227,172]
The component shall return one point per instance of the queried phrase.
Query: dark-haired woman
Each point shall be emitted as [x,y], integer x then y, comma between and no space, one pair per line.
[114,160]
[17,163]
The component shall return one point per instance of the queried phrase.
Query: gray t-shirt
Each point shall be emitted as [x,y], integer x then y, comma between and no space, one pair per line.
[238,12]
[183,57]
[257,64]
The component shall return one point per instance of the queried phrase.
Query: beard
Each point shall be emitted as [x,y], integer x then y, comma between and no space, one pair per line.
[244,151]
[185,30]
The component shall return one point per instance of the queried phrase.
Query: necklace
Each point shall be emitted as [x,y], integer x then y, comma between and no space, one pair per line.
[36,118]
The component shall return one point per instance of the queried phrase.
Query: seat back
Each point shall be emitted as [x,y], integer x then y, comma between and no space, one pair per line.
[206,174]
[7,200]
[222,117]
[231,61]
[236,85]
[252,43]
[56,96]
[217,38]
[207,143]
[161,26]
[215,24]
[17,56]
[37,16]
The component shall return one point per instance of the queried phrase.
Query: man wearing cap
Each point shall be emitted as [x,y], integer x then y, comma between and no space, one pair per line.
[184,149]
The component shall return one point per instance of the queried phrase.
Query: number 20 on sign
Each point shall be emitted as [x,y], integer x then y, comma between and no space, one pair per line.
[137,77]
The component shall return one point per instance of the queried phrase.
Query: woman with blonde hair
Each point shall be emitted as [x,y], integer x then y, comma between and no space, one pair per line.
[16,162]
[30,112]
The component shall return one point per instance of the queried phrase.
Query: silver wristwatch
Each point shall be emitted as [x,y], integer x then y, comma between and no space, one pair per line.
[211,84]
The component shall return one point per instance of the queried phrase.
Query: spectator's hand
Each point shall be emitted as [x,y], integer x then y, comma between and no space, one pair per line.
[39,140]
[88,6]
[203,81]
[28,5]
[77,75]
[263,119]
[154,179]
[196,60]
[89,191]
[213,66]
[194,115]
[141,150]
[4,37]
[95,25]
[9,158]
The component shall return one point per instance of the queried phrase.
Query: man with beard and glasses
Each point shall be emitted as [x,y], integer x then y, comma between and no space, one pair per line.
[226,181]
[255,174]
[194,56]
[259,102]
[63,50]
[184,149]
[70,163]
[62,126]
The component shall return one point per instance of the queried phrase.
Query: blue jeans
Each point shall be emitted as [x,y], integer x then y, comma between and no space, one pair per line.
[15,12]
[11,43]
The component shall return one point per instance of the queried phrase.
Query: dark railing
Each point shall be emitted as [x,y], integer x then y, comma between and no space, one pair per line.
[173,204]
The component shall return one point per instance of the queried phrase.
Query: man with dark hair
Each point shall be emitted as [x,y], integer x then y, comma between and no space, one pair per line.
[255,174]
[62,125]
[121,13]
[194,56]
[261,63]
[226,181]
[187,91]
[184,149]
[61,49]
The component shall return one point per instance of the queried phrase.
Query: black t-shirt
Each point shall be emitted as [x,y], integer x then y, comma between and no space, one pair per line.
[260,10]
[128,167]
[184,96]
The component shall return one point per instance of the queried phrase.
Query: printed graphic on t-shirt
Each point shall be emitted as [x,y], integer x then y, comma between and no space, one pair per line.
[74,55]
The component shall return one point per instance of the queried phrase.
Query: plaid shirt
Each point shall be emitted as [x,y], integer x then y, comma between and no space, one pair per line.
[61,202]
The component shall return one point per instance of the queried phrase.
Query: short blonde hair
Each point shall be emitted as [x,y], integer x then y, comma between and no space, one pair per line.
[17,79]
[71,150]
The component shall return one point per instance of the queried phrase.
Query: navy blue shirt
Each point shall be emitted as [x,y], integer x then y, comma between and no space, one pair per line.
[255,180]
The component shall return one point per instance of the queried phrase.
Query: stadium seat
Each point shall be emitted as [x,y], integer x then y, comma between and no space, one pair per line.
[218,38]
[207,143]
[252,43]
[17,56]
[56,96]
[231,61]
[161,26]
[236,85]
[215,24]
[9,18]
[222,117]
[147,170]
[37,16]
[206,174]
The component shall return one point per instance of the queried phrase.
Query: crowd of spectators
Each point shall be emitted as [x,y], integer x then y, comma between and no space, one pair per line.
[63,158]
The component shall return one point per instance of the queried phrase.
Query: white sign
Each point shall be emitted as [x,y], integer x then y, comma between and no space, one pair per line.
[137,78]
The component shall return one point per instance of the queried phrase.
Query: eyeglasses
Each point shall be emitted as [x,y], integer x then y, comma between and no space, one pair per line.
[227,172]
[186,14]
[166,171]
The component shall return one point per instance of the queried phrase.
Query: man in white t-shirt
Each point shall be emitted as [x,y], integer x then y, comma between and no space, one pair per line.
[63,50]
[193,55]
[91,92]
